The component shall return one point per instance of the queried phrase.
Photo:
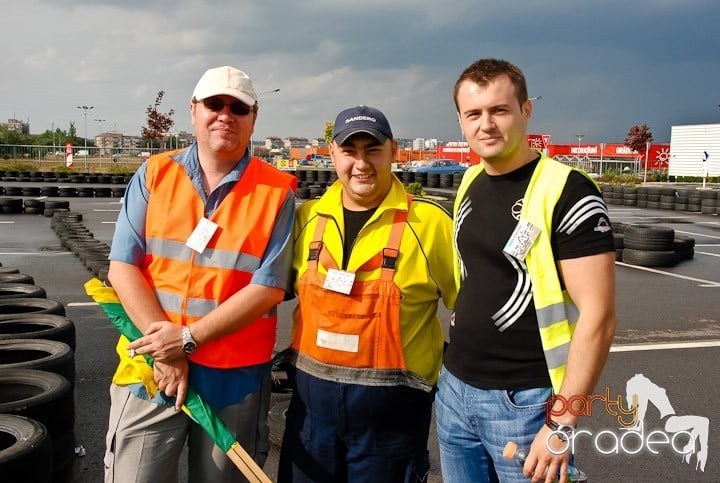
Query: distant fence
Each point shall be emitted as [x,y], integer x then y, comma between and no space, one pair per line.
[94,156]
[601,166]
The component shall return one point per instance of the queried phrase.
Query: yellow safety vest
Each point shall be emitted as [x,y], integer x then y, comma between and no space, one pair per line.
[555,311]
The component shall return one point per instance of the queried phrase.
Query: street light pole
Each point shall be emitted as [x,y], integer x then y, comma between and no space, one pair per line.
[271,91]
[85,110]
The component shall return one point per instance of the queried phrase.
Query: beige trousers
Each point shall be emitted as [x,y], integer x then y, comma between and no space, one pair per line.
[145,440]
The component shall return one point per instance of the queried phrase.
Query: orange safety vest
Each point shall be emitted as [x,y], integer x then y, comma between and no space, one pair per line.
[353,338]
[189,284]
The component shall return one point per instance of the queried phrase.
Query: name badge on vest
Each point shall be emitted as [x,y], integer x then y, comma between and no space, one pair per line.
[521,240]
[201,235]
[336,341]
[339,281]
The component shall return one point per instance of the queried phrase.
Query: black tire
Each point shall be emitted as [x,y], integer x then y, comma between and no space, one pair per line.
[21,290]
[649,258]
[38,326]
[30,305]
[619,254]
[682,242]
[26,451]
[16,278]
[619,240]
[34,210]
[33,203]
[640,237]
[50,212]
[48,398]
[619,227]
[276,421]
[57,204]
[6,270]
[41,354]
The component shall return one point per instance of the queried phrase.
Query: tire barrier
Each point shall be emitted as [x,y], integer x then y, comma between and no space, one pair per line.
[5,270]
[38,326]
[26,452]
[705,201]
[651,246]
[11,205]
[40,354]
[643,237]
[48,398]
[21,290]
[13,191]
[30,305]
[33,207]
[16,278]
[77,238]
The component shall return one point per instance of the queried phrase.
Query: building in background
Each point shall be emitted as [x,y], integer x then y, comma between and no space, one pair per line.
[695,150]
[17,125]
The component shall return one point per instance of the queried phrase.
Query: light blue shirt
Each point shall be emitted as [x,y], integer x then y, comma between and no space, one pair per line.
[219,387]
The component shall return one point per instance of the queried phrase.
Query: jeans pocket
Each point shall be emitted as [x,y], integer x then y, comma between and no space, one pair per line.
[528,399]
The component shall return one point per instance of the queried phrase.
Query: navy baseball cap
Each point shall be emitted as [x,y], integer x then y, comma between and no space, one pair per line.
[361,119]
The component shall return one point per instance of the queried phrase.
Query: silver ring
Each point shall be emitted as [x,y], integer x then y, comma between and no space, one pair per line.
[132,353]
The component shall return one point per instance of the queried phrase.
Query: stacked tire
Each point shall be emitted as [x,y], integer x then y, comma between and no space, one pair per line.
[37,376]
[651,246]
[77,238]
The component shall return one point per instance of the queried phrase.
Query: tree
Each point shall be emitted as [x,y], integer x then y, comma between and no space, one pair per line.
[329,126]
[158,124]
[638,137]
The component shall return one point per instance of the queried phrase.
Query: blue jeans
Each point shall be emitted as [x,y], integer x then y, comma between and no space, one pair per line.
[337,433]
[474,425]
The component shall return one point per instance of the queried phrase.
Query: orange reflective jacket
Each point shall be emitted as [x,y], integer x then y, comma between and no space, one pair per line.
[189,284]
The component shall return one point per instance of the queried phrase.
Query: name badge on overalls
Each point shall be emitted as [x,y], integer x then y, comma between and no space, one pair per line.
[339,281]
[201,235]
[521,240]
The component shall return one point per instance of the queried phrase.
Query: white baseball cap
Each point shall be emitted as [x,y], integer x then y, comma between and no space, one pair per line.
[228,81]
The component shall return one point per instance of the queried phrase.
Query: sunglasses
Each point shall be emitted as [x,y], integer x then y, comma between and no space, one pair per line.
[216,104]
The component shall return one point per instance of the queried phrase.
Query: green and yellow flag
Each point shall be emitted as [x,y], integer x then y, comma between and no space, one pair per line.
[194,406]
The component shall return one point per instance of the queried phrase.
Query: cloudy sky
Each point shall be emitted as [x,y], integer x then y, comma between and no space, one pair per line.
[599,66]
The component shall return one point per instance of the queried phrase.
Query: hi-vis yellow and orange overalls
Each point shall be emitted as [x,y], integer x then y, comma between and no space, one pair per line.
[353,338]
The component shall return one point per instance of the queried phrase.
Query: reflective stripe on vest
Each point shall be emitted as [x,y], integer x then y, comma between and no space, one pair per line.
[353,338]
[189,284]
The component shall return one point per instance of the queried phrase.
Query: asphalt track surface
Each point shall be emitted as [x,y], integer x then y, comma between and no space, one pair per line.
[669,331]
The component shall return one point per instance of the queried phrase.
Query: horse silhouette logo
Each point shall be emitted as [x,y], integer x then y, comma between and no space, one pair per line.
[640,391]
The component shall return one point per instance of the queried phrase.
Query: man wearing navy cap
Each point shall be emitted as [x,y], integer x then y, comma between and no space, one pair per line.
[370,264]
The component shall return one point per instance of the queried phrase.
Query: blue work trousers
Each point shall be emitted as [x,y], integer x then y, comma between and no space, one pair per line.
[339,432]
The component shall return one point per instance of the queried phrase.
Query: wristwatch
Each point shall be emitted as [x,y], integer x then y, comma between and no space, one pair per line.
[189,345]
[562,431]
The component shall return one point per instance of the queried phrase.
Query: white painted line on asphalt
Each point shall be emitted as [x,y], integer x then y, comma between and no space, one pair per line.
[81,304]
[704,283]
[7,222]
[114,211]
[111,222]
[706,253]
[664,346]
[701,235]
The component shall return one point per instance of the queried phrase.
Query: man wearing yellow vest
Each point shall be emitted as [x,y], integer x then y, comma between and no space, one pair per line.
[371,263]
[200,259]
[535,314]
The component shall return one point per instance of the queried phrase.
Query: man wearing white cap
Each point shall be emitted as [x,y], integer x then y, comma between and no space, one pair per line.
[200,259]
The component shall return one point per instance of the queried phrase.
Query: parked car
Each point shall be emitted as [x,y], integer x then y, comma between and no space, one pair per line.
[439,166]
